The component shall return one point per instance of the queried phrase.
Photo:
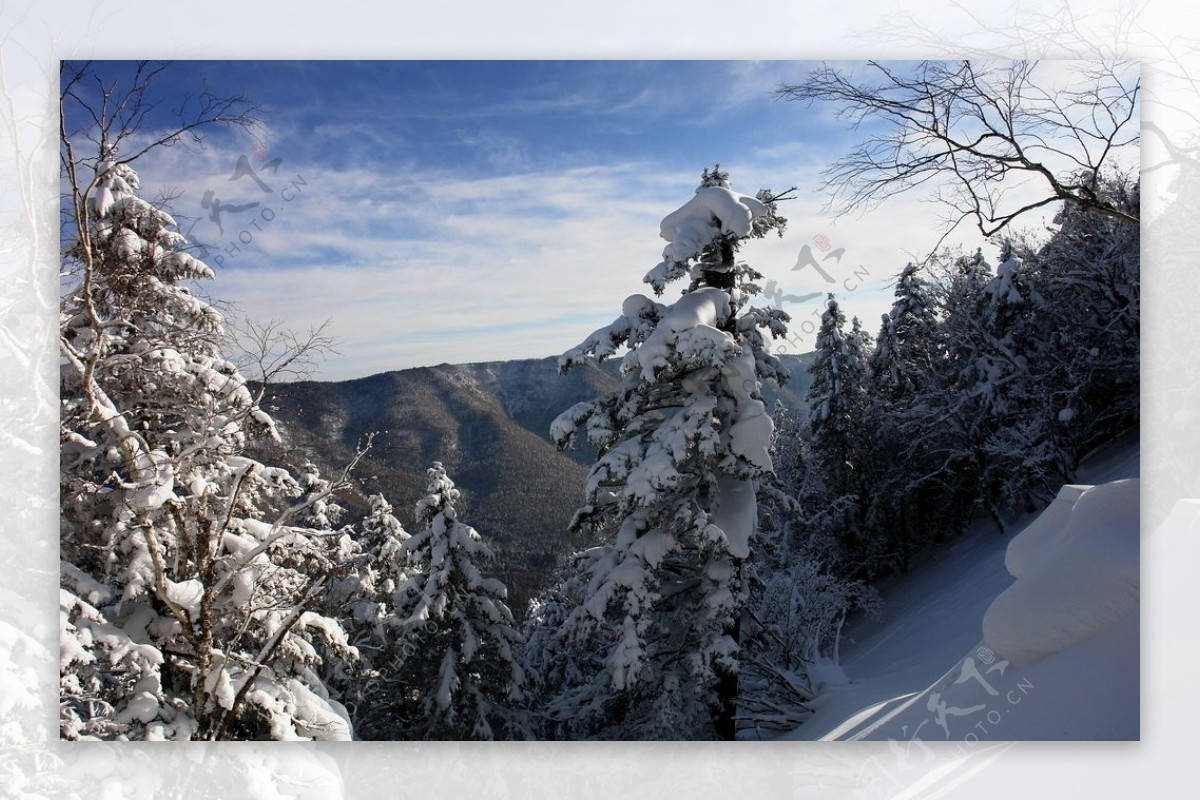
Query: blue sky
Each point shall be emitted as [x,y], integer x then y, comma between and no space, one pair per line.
[445,211]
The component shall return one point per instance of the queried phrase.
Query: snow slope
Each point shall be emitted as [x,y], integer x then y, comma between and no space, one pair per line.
[965,653]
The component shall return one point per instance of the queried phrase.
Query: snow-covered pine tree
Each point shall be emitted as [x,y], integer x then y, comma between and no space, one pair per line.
[907,353]
[181,615]
[682,440]
[463,661]
[985,402]
[381,540]
[557,666]
[834,398]
[1063,318]
[1023,457]
[375,565]
[321,510]
[907,360]
[838,408]
[1088,271]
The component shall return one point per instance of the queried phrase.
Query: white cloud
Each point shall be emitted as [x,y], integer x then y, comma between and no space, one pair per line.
[438,267]
[442,268]
[419,265]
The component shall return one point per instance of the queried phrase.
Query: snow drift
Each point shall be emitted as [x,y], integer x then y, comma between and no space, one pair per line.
[1075,578]
[1056,651]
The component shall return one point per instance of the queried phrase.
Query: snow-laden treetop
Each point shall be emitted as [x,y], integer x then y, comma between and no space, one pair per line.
[708,227]
[703,236]
[713,211]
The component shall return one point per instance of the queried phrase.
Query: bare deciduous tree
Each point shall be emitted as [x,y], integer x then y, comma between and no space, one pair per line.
[992,140]
[271,351]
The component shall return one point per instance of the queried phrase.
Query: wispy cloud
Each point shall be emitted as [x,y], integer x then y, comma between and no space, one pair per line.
[422,256]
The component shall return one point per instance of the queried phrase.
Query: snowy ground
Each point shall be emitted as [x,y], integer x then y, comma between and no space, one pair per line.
[1060,660]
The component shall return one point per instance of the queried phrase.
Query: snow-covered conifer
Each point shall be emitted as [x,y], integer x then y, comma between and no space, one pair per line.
[463,664]
[907,347]
[943,428]
[837,393]
[382,538]
[903,365]
[682,439]
[838,406]
[321,510]
[186,589]
[375,564]
[1090,331]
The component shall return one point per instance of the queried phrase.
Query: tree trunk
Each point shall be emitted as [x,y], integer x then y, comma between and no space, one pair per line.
[725,714]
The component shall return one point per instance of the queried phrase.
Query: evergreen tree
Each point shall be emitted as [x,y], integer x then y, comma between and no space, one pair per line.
[682,441]
[991,393]
[903,366]
[562,661]
[463,662]
[382,539]
[321,511]
[1066,317]
[1022,459]
[945,427]
[838,405]
[1090,269]
[364,599]
[906,351]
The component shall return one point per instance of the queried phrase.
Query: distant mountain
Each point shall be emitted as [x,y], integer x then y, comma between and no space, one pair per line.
[488,423]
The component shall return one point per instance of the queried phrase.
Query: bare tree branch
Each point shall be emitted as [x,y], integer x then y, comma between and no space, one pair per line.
[270,352]
[102,124]
[974,132]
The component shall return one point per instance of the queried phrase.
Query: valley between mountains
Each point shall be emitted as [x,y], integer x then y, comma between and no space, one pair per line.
[488,423]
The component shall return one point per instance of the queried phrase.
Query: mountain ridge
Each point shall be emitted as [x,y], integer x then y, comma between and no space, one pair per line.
[487,423]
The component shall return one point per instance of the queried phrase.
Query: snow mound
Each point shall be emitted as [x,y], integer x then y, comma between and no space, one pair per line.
[1077,574]
[712,212]
[734,213]
[925,676]
[1029,546]
[187,595]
